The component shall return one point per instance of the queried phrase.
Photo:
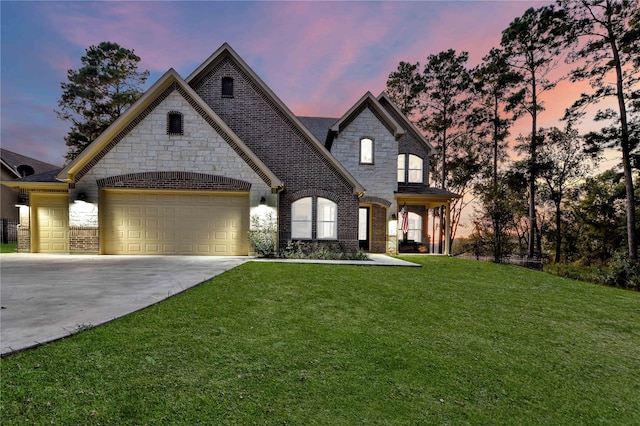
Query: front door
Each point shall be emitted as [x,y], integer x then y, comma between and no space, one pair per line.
[363,228]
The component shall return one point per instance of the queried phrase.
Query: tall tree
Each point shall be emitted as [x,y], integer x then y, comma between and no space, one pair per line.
[563,162]
[532,50]
[597,217]
[606,37]
[444,102]
[404,87]
[493,81]
[97,93]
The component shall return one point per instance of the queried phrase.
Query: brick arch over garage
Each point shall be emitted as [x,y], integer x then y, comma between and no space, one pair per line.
[175,213]
[174,180]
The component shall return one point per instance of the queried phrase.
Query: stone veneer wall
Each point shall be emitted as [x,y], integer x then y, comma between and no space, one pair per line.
[379,178]
[409,144]
[281,145]
[147,157]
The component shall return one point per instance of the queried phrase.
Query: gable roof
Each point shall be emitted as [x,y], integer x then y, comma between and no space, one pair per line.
[12,160]
[384,98]
[92,153]
[225,51]
[367,100]
[319,126]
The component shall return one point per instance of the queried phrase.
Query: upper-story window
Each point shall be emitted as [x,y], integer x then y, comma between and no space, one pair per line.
[227,87]
[366,151]
[174,123]
[410,168]
[415,169]
[402,167]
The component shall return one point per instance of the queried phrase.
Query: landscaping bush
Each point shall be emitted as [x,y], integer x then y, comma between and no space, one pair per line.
[622,273]
[324,251]
[262,235]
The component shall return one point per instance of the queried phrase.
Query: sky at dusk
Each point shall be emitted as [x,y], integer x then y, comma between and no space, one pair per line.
[318,57]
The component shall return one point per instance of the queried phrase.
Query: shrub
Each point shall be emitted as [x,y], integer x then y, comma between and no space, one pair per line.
[324,251]
[621,272]
[262,235]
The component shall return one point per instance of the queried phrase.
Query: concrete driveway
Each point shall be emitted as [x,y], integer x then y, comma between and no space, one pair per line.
[46,297]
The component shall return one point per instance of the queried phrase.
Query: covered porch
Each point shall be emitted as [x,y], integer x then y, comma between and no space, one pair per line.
[414,231]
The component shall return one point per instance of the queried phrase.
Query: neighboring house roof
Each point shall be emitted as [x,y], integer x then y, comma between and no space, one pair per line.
[226,51]
[408,125]
[89,155]
[319,126]
[367,100]
[45,180]
[18,163]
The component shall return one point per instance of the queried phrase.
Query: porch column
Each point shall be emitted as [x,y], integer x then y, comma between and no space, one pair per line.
[447,229]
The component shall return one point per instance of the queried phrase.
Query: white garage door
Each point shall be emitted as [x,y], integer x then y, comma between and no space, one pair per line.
[159,222]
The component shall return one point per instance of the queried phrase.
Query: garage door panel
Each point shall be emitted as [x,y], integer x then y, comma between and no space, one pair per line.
[51,223]
[175,223]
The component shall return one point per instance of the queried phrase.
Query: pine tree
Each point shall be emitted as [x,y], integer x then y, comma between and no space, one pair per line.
[97,93]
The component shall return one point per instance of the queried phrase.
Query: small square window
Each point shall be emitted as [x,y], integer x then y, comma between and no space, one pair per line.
[174,124]
[227,87]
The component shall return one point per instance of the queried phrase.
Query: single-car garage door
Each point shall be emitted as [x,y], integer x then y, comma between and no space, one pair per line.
[177,222]
[51,216]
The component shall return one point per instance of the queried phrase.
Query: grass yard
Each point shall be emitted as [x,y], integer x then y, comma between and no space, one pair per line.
[454,342]
[8,247]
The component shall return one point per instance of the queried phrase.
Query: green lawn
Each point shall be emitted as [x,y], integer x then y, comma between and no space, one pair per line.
[8,247]
[454,342]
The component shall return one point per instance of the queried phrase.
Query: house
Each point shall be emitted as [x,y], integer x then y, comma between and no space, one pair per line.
[183,170]
[16,166]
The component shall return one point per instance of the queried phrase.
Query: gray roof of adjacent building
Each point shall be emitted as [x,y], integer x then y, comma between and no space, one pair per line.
[17,161]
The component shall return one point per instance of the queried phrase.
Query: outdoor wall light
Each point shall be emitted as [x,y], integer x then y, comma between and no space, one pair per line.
[393,216]
[22,200]
[81,197]
[263,201]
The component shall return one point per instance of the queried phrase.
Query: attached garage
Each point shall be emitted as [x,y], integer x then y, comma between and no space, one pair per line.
[51,223]
[174,222]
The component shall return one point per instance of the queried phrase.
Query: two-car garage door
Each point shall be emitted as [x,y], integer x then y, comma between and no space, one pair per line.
[178,222]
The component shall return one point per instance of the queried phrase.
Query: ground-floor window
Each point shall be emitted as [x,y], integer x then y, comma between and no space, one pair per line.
[301,218]
[415,227]
[326,218]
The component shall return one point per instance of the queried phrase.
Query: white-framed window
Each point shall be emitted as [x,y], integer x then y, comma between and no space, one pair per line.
[415,227]
[327,219]
[301,217]
[366,151]
[402,159]
[415,169]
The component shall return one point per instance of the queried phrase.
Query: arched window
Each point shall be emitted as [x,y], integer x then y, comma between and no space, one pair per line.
[174,123]
[301,218]
[227,87]
[327,222]
[402,159]
[415,169]
[415,227]
[366,151]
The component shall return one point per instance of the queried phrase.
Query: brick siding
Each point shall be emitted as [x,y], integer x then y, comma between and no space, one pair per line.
[270,133]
